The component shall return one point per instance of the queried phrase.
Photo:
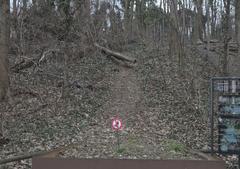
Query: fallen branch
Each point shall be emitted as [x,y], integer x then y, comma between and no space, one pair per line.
[22,65]
[46,53]
[203,155]
[120,62]
[43,154]
[116,54]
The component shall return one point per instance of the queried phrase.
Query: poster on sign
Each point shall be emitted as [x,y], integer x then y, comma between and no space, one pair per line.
[232,86]
[229,132]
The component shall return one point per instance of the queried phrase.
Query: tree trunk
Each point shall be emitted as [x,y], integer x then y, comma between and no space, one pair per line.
[183,22]
[24,5]
[138,14]
[34,3]
[14,4]
[116,54]
[126,14]
[4,42]
[175,44]
[213,18]
[224,62]
[207,28]
[140,10]
[237,20]
[198,27]
[87,8]
[131,19]
[236,60]
[195,28]
[200,19]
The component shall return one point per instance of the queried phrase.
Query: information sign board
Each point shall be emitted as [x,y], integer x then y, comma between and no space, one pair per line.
[225,92]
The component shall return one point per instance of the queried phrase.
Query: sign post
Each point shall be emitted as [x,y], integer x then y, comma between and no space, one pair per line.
[225,96]
[117,126]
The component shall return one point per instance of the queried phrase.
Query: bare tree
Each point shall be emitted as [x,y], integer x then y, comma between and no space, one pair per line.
[236,59]
[237,20]
[199,19]
[14,4]
[4,43]
[207,28]
[213,6]
[127,23]
[175,44]
[226,20]
[24,5]
[34,3]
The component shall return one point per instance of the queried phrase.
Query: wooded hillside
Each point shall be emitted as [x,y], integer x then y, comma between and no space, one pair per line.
[68,66]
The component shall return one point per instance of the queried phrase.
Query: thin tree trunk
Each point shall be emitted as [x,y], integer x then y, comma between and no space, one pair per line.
[237,22]
[195,31]
[198,28]
[213,18]
[207,31]
[126,14]
[4,43]
[14,4]
[236,59]
[200,19]
[131,19]
[87,8]
[175,44]
[34,2]
[226,37]
[183,23]
[24,5]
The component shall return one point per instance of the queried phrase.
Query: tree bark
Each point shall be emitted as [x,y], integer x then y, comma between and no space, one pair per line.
[237,20]
[41,154]
[4,43]
[126,14]
[236,59]
[34,3]
[14,7]
[213,7]
[207,28]
[175,43]
[24,5]
[116,54]
[200,18]
[198,28]
[226,19]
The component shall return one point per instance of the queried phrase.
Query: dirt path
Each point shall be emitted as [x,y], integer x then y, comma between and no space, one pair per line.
[99,139]
[125,95]
[144,133]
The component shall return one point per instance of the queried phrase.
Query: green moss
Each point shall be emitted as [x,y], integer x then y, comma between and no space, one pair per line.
[173,145]
[121,150]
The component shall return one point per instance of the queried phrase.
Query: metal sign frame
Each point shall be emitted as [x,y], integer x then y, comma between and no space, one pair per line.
[232,92]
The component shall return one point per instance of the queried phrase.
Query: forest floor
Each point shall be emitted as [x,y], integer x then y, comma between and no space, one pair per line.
[144,135]
[157,125]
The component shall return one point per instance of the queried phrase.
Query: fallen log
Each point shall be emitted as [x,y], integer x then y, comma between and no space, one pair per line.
[22,65]
[120,62]
[203,155]
[43,154]
[117,55]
